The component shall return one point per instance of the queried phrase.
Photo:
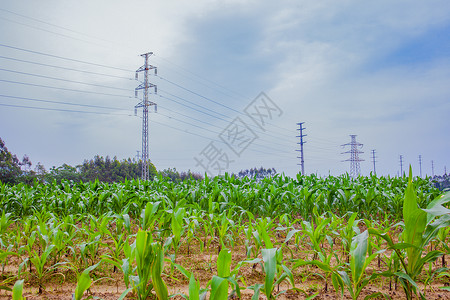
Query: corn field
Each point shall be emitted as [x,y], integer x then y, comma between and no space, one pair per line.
[222,238]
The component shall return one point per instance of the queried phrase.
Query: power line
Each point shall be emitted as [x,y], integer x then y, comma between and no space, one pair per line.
[64,68]
[218,133]
[60,102]
[64,110]
[41,100]
[218,103]
[277,153]
[205,108]
[63,28]
[96,73]
[287,141]
[176,84]
[51,24]
[64,58]
[64,89]
[219,118]
[61,79]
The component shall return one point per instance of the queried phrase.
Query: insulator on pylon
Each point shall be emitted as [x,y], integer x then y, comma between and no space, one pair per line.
[156,89]
[156,108]
[135,93]
[135,111]
[156,71]
[136,76]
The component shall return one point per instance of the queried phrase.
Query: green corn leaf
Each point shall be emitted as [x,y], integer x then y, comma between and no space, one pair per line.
[124,294]
[158,283]
[408,278]
[194,289]
[338,283]
[415,224]
[256,288]
[434,208]
[290,234]
[182,270]
[224,263]
[84,282]
[219,288]
[321,265]
[18,290]
[266,238]
[358,256]
[270,268]
[126,271]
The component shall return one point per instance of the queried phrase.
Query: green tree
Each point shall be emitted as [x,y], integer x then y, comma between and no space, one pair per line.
[10,166]
[112,170]
[64,172]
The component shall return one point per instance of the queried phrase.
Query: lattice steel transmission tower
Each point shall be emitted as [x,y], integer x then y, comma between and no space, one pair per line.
[145,103]
[374,161]
[420,165]
[401,166]
[354,159]
[301,142]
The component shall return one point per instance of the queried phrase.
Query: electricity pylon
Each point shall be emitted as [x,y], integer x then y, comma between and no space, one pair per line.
[301,142]
[354,159]
[145,103]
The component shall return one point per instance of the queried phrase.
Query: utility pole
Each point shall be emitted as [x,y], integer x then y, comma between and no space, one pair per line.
[401,165]
[420,165]
[301,142]
[432,168]
[137,155]
[354,159]
[373,160]
[145,105]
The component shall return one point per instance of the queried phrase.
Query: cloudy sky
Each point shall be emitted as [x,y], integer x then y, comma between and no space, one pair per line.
[376,69]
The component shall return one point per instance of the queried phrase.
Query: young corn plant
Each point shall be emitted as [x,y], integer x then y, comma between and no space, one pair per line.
[18,290]
[149,267]
[316,235]
[272,265]
[419,229]
[84,282]
[357,268]
[42,272]
[348,232]
[195,292]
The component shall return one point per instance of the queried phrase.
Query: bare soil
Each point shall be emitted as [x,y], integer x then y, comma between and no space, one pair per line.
[110,285]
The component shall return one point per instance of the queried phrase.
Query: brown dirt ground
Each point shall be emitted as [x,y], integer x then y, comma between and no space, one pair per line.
[203,265]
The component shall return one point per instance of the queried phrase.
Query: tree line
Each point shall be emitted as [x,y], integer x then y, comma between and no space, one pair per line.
[105,169]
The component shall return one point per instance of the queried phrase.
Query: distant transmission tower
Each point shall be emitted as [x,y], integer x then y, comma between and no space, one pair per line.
[401,165]
[354,159]
[145,104]
[420,165]
[432,168]
[374,161]
[301,142]
[137,155]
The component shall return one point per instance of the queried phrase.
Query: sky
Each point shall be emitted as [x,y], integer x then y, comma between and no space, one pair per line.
[233,80]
